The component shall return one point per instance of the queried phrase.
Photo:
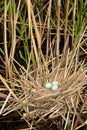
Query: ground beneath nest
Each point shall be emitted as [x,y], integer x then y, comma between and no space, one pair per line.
[13,121]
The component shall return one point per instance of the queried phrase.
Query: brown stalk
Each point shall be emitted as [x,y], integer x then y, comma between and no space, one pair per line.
[35,27]
[29,17]
[74,14]
[58,29]
[7,69]
[13,45]
[35,50]
[48,27]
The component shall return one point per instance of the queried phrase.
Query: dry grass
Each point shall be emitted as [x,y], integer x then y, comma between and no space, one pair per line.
[56,43]
[27,92]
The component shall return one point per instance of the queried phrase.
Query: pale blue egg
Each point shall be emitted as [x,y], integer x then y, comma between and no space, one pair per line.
[48,85]
[54,87]
[54,83]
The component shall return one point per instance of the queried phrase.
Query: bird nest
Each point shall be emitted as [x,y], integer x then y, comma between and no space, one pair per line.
[29,94]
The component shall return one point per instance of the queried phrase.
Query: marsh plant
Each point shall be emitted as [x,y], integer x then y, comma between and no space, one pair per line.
[44,42]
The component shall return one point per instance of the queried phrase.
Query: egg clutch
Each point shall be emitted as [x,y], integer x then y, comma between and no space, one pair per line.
[53,86]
